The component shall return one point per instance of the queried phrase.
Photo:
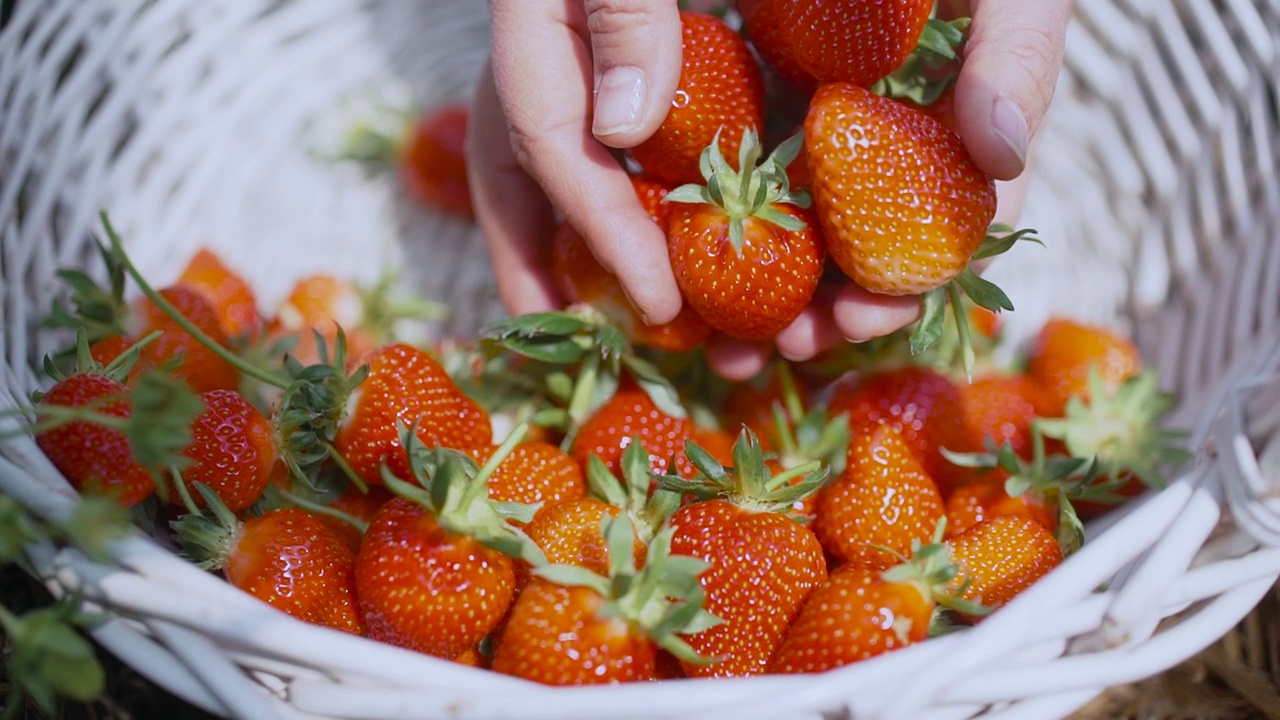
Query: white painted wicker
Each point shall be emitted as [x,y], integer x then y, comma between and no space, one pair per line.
[203,121]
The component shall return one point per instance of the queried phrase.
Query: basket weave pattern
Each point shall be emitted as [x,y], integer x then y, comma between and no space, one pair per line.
[200,123]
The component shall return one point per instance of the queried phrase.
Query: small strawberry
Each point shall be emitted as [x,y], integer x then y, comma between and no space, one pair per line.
[406,385]
[583,280]
[999,409]
[433,162]
[972,504]
[196,363]
[1061,354]
[232,451]
[228,292]
[535,473]
[882,506]
[286,558]
[571,626]
[763,564]
[743,246]
[999,558]
[629,414]
[433,573]
[720,90]
[922,404]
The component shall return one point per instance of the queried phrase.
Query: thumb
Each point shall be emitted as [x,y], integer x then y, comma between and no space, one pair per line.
[1011,66]
[635,46]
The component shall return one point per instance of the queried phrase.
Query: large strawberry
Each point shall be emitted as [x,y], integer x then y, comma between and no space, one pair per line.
[999,558]
[720,90]
[631,414]
[743,246]
[535,473]
[406,385]
[1063,351]
[763,564]
[583,280]
[232,451]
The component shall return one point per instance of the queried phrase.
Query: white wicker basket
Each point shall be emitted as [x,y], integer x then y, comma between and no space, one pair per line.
[199,122]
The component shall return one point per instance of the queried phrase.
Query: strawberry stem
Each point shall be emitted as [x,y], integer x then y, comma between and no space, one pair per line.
[183,493]
[967,358]
[316,508]
[480,484]
[580,400]
[345,467]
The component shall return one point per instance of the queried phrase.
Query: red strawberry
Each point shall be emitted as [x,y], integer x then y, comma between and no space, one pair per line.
[94,457]
[720,90]
[359,505]
[902,205]
[232,450]
[762,563]
[744,251]
[631,413]
[582,280]
[977,502]
[1062,353]
[571,626]
[772,38]
[855,41]
[535,473]
[999,409]
[884,499]
[433,166]
[287,558]
[999,558]
[921,404]
[228,292]
[197,364]
[406,385]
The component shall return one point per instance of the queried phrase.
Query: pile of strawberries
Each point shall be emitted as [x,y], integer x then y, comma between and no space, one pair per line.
[573,497]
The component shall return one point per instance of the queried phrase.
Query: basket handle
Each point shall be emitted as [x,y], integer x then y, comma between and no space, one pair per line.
[1247,435]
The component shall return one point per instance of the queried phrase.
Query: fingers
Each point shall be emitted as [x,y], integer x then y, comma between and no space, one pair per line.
[1011,66]
[737,360]
[814,330]
[860,315]
[510,208]
[543,74]
[635,46]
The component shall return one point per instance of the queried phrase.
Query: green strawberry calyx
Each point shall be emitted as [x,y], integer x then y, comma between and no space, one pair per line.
[751,191]
[933,573]
[805,436]
[648,510]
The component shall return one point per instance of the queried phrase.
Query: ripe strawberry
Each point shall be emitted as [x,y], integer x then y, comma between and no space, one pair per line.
[232,450]
[884,501]
[231,296]
[431,573]
[999,558]
[286,558]
[999,409]
[921,404]
[854,41]
[771,37]
[360,506]
[629,414]
[762,563]
[743,246]
[406,385]
[1062,352]
[720,90]
[571,626]
[904,208]
[433,165]
[106,350]
[95,457]
[582,280]
[972,504]
[535,473]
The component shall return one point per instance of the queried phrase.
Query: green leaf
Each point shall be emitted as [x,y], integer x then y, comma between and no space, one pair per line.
[999,244]
[688,194]
[95,523]
[983,292]
[550,349]
[932,322]
[159,428]
[573,576]
[17,528]
[658,388]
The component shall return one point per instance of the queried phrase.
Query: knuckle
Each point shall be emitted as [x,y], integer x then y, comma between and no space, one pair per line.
[610,19]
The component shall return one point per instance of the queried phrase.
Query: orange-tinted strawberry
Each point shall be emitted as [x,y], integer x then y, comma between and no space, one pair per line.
[322,303]
[628,414]
[977,502]
[854,41]
[720,90]
[883,501]
[107,349]
[746,256]
[406,385]
[473,658]
[228,292]
[569,534]
[762,563]
[771,38]
[192,360]
[582,280]
[535,473]
[999,558]
[287,558]
[232,451]
[94,457]
[999,409]
[921,404]
[433,166]
[904,208]
[1062,352]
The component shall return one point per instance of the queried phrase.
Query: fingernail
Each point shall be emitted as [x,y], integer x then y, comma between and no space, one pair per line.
[1010,123]
[795,357]
[619,98]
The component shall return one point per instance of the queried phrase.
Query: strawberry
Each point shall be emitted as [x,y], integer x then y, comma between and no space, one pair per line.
[1000,408]
[771,37]
[535,473]
[232,450]
[853,41]
[107,349]
[999,558]
[196,363]
[433,573]
[882,505]
[406,385]
[433,163]
[286,558]
[720,90]
[977,502]
[762,563]
[571,626]
[231,296]
[631,413]
[359,505]
[743,246]
[582,280]
[921,404]
[1060,355]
